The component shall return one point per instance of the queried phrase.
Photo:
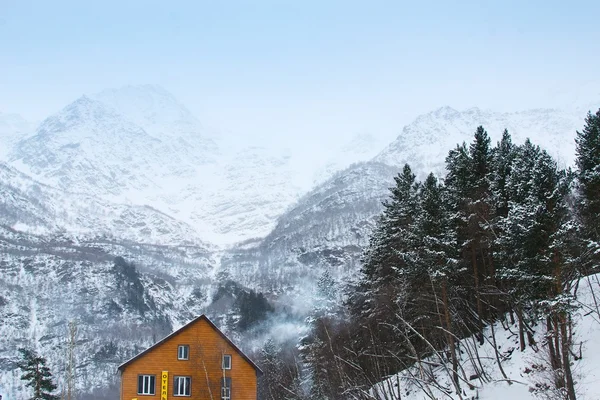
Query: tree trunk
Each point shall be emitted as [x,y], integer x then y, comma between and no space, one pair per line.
[498,355]
[565,343]
[450,334]
[477,294]
[558,349]
[521,328]
[71,360]
[554,360]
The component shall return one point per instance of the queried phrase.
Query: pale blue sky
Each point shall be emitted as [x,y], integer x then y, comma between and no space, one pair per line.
[291,67]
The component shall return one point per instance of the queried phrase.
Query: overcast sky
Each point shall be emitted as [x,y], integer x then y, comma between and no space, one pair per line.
[291,67]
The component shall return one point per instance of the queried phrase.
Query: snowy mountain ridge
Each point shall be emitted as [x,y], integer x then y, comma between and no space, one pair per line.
[139,145]
[163,159]
[425,143]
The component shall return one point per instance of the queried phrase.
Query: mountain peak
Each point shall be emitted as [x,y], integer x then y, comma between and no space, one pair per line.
[84,110]
[445,111]
[153,108]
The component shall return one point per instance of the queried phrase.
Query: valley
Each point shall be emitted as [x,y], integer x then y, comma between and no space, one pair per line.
[124,214]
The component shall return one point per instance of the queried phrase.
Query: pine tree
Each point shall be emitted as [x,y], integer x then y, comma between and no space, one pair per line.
[374,302]
[384,257]
[504,155]
[436,257]
[272,365]
[588,175]
[517,241]
[468,184]
[37,375]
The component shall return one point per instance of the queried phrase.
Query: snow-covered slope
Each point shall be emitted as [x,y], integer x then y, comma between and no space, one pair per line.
[13,128]
[163,117]
[425,143]
[527,371]
[30,206]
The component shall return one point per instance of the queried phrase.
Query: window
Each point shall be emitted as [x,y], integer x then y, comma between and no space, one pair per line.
[182,386]
[183,352]
[146,384]
[225,388]
[226,361]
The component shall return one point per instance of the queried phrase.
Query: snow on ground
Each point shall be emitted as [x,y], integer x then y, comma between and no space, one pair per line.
[524,369]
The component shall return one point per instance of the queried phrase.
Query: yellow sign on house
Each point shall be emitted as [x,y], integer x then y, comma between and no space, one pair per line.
[164,383]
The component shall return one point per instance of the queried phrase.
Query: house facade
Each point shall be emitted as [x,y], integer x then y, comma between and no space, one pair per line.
[195,362]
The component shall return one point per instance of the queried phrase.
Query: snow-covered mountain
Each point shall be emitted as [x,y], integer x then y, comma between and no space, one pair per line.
[328,228]
[425,143]
[90,148]
[164,118]
[139,145]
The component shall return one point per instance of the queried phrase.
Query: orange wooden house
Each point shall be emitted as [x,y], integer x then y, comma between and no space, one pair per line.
[197,361]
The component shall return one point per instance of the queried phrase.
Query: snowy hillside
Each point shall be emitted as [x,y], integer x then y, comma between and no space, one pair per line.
[526,371]
[30,206]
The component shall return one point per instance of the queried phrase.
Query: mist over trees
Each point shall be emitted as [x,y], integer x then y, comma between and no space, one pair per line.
[502,238]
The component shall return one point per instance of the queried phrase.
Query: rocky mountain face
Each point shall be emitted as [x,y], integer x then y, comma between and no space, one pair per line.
[119,304]
[115,238]
[325,230]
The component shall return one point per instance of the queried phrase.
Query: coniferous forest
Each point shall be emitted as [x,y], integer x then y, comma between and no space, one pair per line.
[504,238]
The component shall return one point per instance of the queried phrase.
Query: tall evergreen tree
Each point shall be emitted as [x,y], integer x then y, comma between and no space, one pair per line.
[389,242]
[468,183]
[503,159]
[436,257]
[588,175]
[374,304]
[539,239]
[480,215]
[37,375]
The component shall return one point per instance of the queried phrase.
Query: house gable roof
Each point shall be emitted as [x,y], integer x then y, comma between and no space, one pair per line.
[186,326]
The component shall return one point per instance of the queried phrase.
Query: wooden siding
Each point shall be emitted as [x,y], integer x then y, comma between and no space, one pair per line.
[204,366]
